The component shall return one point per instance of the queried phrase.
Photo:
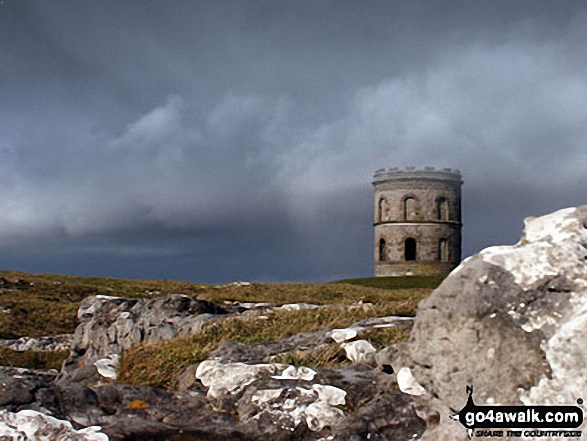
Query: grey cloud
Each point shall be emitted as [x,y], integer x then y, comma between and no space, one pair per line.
[221,140]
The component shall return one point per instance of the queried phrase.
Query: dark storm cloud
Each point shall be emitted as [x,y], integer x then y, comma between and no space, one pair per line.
[218,140]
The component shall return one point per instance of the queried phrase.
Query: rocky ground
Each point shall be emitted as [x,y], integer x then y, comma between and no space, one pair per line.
[236,393]
[509,322]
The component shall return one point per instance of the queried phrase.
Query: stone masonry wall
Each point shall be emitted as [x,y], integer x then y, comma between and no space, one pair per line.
[424,205]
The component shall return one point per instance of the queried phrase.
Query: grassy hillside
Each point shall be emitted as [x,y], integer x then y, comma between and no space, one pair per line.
[46,304]
[37,305]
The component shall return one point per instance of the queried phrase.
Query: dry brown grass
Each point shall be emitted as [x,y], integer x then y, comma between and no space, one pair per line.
[46,304]
[32,359]
[160,364]
[332,355]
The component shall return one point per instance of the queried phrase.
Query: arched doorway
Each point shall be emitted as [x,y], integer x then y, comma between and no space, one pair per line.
[410,249]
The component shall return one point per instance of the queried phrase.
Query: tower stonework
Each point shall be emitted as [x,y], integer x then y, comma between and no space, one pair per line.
[417,221]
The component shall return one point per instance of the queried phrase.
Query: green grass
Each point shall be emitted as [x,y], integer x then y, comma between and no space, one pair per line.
[403,282]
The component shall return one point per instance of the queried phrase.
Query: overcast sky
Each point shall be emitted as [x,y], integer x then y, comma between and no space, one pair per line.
[227,140]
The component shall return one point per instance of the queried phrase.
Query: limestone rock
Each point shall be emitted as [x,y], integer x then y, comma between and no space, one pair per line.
[19,386]
[511,321]
[54,343]
[109,325]
[230,351]
[387,415]
[108,366]
[296,373]
[359,351]
[284,402]
[296,306]
[407,384]
[230,378]
[232,400]
[35,426]
[294,403]
[341,335]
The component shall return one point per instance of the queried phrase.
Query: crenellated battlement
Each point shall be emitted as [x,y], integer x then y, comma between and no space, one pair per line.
[394,173]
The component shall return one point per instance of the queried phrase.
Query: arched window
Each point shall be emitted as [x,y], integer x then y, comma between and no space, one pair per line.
[409,208]
[442,209]
[382,251]
[442,250]
[381,210]
[410,249]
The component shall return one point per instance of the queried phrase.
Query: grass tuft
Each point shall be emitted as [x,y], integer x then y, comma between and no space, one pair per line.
[161,364]
[332,355]
[32,359]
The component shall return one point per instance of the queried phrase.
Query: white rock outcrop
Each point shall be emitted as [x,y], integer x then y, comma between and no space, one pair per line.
[341,335]
[510,321]
[287,406]
[109,325]
[358,351]
[229,378]
[35,426]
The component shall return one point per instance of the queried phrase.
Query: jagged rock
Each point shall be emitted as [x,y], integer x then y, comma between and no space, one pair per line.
[359,351]
[342,335]
[35,426]
[238,394]
[511,321]
[284,402]
[277,408]
[54,343]
[231,399]
[378,410]
[230,351]
[18,386]
[109,325]
[223,379]
[112,407]
[108,366]
[407,383]
[309,406]
[187,380]
[296,306]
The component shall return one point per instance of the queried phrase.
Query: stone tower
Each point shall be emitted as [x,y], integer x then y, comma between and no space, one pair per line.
[417,221]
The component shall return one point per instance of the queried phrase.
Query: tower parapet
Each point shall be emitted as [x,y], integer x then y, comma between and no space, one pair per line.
[417,221]
[450,174]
